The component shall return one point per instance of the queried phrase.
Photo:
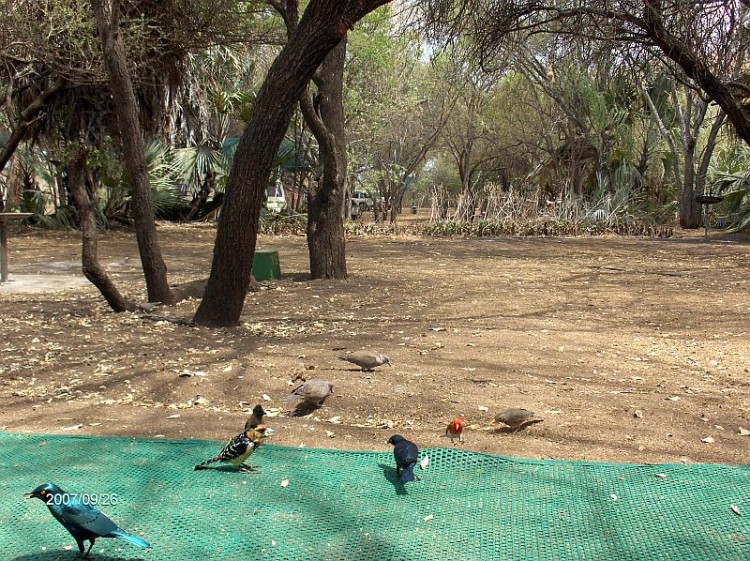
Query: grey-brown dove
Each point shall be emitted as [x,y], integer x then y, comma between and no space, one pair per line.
[366,360]
[516,418]
[312,393]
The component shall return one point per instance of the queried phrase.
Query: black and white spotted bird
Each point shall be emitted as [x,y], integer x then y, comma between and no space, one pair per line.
[256,419]
[406,455]
[83,520]
[239,449]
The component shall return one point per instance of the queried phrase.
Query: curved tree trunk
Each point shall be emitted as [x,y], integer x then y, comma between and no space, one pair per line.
[83,201]
[325,226]
[154,270]
[323,25]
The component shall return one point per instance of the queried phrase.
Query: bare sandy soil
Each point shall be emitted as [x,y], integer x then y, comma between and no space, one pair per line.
[630,349]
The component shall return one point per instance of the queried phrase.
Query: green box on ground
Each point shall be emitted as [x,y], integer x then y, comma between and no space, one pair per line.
[266,265]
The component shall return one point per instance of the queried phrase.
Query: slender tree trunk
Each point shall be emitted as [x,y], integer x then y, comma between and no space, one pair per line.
[692,218]
[692,121]
[325,226]
[708,151]
[378,206]
[667,137]
[83,201]
[155,271]
[689,207]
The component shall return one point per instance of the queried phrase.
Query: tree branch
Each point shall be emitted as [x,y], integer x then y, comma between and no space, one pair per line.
[25,120]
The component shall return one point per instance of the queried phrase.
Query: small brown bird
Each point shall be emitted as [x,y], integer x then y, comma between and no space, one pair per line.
[256,418]
[239,449]
[516,418]
[456,430]
[312,393]
[366,360]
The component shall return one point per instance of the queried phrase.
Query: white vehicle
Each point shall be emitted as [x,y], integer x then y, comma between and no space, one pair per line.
[275,198]
[363,200]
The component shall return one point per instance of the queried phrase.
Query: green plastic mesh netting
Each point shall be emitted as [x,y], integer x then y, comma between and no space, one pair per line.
[350,506]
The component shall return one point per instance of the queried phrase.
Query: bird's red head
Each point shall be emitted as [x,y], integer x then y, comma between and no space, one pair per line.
[457,425]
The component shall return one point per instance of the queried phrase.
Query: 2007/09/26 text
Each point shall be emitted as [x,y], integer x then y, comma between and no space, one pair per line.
[67,499]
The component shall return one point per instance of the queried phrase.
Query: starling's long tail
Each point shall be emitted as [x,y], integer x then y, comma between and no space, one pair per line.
[135,540]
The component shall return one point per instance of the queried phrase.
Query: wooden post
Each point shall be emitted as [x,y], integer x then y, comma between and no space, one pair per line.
[3,250]
[4,218]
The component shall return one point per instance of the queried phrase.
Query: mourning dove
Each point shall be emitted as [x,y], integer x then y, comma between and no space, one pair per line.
[516,418]
[312,393]
[366,360]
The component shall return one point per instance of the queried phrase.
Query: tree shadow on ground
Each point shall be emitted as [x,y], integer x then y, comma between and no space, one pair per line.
[304,409]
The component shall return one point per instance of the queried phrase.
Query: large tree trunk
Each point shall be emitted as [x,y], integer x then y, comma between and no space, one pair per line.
[126,107]
[323,25]
[325,226]
[83,201]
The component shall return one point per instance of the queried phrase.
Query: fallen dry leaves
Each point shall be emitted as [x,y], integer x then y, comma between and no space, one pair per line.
[625,362]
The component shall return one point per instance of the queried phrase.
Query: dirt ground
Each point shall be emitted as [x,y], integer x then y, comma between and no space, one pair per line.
[630,349]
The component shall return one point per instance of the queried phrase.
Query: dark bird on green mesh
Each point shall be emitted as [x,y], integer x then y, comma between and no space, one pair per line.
[406,455]
[256,418]
[84,521]
[366,360]
[239,449]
